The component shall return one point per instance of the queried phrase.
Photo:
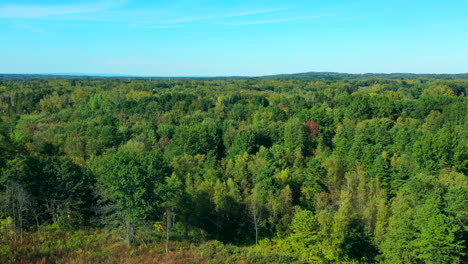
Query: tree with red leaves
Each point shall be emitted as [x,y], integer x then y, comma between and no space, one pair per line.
[313,128]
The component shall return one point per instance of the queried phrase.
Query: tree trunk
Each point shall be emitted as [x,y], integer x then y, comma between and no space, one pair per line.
[130,232]
[168,228]
[256,234]
[13,209]
[37,222]
[20,214]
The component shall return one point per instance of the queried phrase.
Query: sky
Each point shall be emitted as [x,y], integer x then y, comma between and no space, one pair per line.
[233,38]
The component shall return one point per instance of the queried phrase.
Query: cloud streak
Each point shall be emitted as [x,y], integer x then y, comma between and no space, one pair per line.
[46,11]
[177,22]
[108,11]
[275,20]
[226,15]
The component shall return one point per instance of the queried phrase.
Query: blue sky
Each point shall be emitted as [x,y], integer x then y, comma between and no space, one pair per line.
[219,38]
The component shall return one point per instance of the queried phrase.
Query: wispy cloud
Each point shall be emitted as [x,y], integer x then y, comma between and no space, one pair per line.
[168,22]
[44,11]
[169,18]
[225,15]
[274,20]
[114,11]
[162,26]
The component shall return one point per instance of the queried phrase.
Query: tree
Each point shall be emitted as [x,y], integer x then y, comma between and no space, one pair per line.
[313,128]
[305,236]
[170,194]
[66,191]
[128,179]
[295,135]
[229,210]
[200,138]
[57,187]
[255,205]
[244,141]
[17,202]
[419,231]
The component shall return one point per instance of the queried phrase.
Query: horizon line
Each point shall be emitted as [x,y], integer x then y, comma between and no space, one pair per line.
[116,75]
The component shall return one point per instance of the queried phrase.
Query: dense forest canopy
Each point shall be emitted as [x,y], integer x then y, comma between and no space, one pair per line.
[319,168]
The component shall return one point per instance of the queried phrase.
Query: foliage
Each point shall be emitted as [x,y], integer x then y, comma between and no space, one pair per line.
[311,168]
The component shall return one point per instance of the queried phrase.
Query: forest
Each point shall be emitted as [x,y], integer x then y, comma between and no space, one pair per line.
[308,168]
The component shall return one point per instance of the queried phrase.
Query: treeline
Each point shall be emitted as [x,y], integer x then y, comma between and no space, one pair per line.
[340,76]
[365,169]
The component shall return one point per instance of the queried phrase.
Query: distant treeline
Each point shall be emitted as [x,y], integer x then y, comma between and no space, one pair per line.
[305,75]
[338,76]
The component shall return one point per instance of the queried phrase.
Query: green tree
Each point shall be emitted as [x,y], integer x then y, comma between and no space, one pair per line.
[200,138]
[129,179]
[295,135]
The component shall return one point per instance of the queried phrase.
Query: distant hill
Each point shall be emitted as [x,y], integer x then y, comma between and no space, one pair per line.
[336,75]
[305,75]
